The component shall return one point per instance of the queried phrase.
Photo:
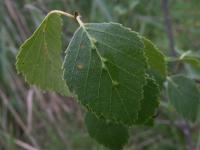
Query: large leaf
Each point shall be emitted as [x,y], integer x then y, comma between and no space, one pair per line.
[39,59]
[156,61]
[105,66]
[149,103]
[111,135]
[184,96]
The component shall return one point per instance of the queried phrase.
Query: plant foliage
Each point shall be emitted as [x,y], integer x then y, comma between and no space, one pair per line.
[115,73]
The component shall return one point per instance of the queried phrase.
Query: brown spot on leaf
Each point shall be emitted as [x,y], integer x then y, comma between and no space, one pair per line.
[82,46]
[45,49]
[80,66]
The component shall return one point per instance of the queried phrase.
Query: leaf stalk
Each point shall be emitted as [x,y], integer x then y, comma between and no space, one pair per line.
[62,13]
[78,18]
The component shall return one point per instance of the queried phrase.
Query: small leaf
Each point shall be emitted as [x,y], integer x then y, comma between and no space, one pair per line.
[111,135]
[156,61]
[39,59]
[192,60]
[192,63]
[105,66]
[184,96]
[192,72]
[149,103]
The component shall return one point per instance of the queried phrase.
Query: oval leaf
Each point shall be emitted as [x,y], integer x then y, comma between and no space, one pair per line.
[39,59]
[105,66]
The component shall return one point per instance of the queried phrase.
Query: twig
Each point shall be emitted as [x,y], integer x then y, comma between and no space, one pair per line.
[168,26]
[184,126]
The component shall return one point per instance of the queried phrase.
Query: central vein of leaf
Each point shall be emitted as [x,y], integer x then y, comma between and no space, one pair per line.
[93,42]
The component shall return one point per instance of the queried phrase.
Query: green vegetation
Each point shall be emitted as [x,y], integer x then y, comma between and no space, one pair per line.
[129,87]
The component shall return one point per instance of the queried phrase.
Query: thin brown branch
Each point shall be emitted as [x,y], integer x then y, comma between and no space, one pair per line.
[168,26]
[186,129]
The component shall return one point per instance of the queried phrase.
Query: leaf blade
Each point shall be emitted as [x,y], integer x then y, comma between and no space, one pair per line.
[156,62]
[103,81]
[149,103]
[39,59]
[184,96]
[111,135]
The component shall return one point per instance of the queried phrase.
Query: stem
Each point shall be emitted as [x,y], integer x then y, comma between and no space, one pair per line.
[184,126]
[78,18]
[75,16]
[62,13]
[168,26]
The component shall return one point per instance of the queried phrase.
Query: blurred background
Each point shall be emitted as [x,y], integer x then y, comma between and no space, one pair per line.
[31,119]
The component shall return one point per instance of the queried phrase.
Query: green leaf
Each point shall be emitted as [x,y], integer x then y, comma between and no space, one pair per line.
[149,103]
[192,60]
[192,72]
[193,66]
[192,63]
[111,135]
[39,59]
[156,61]
[105,66]
[184,96]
